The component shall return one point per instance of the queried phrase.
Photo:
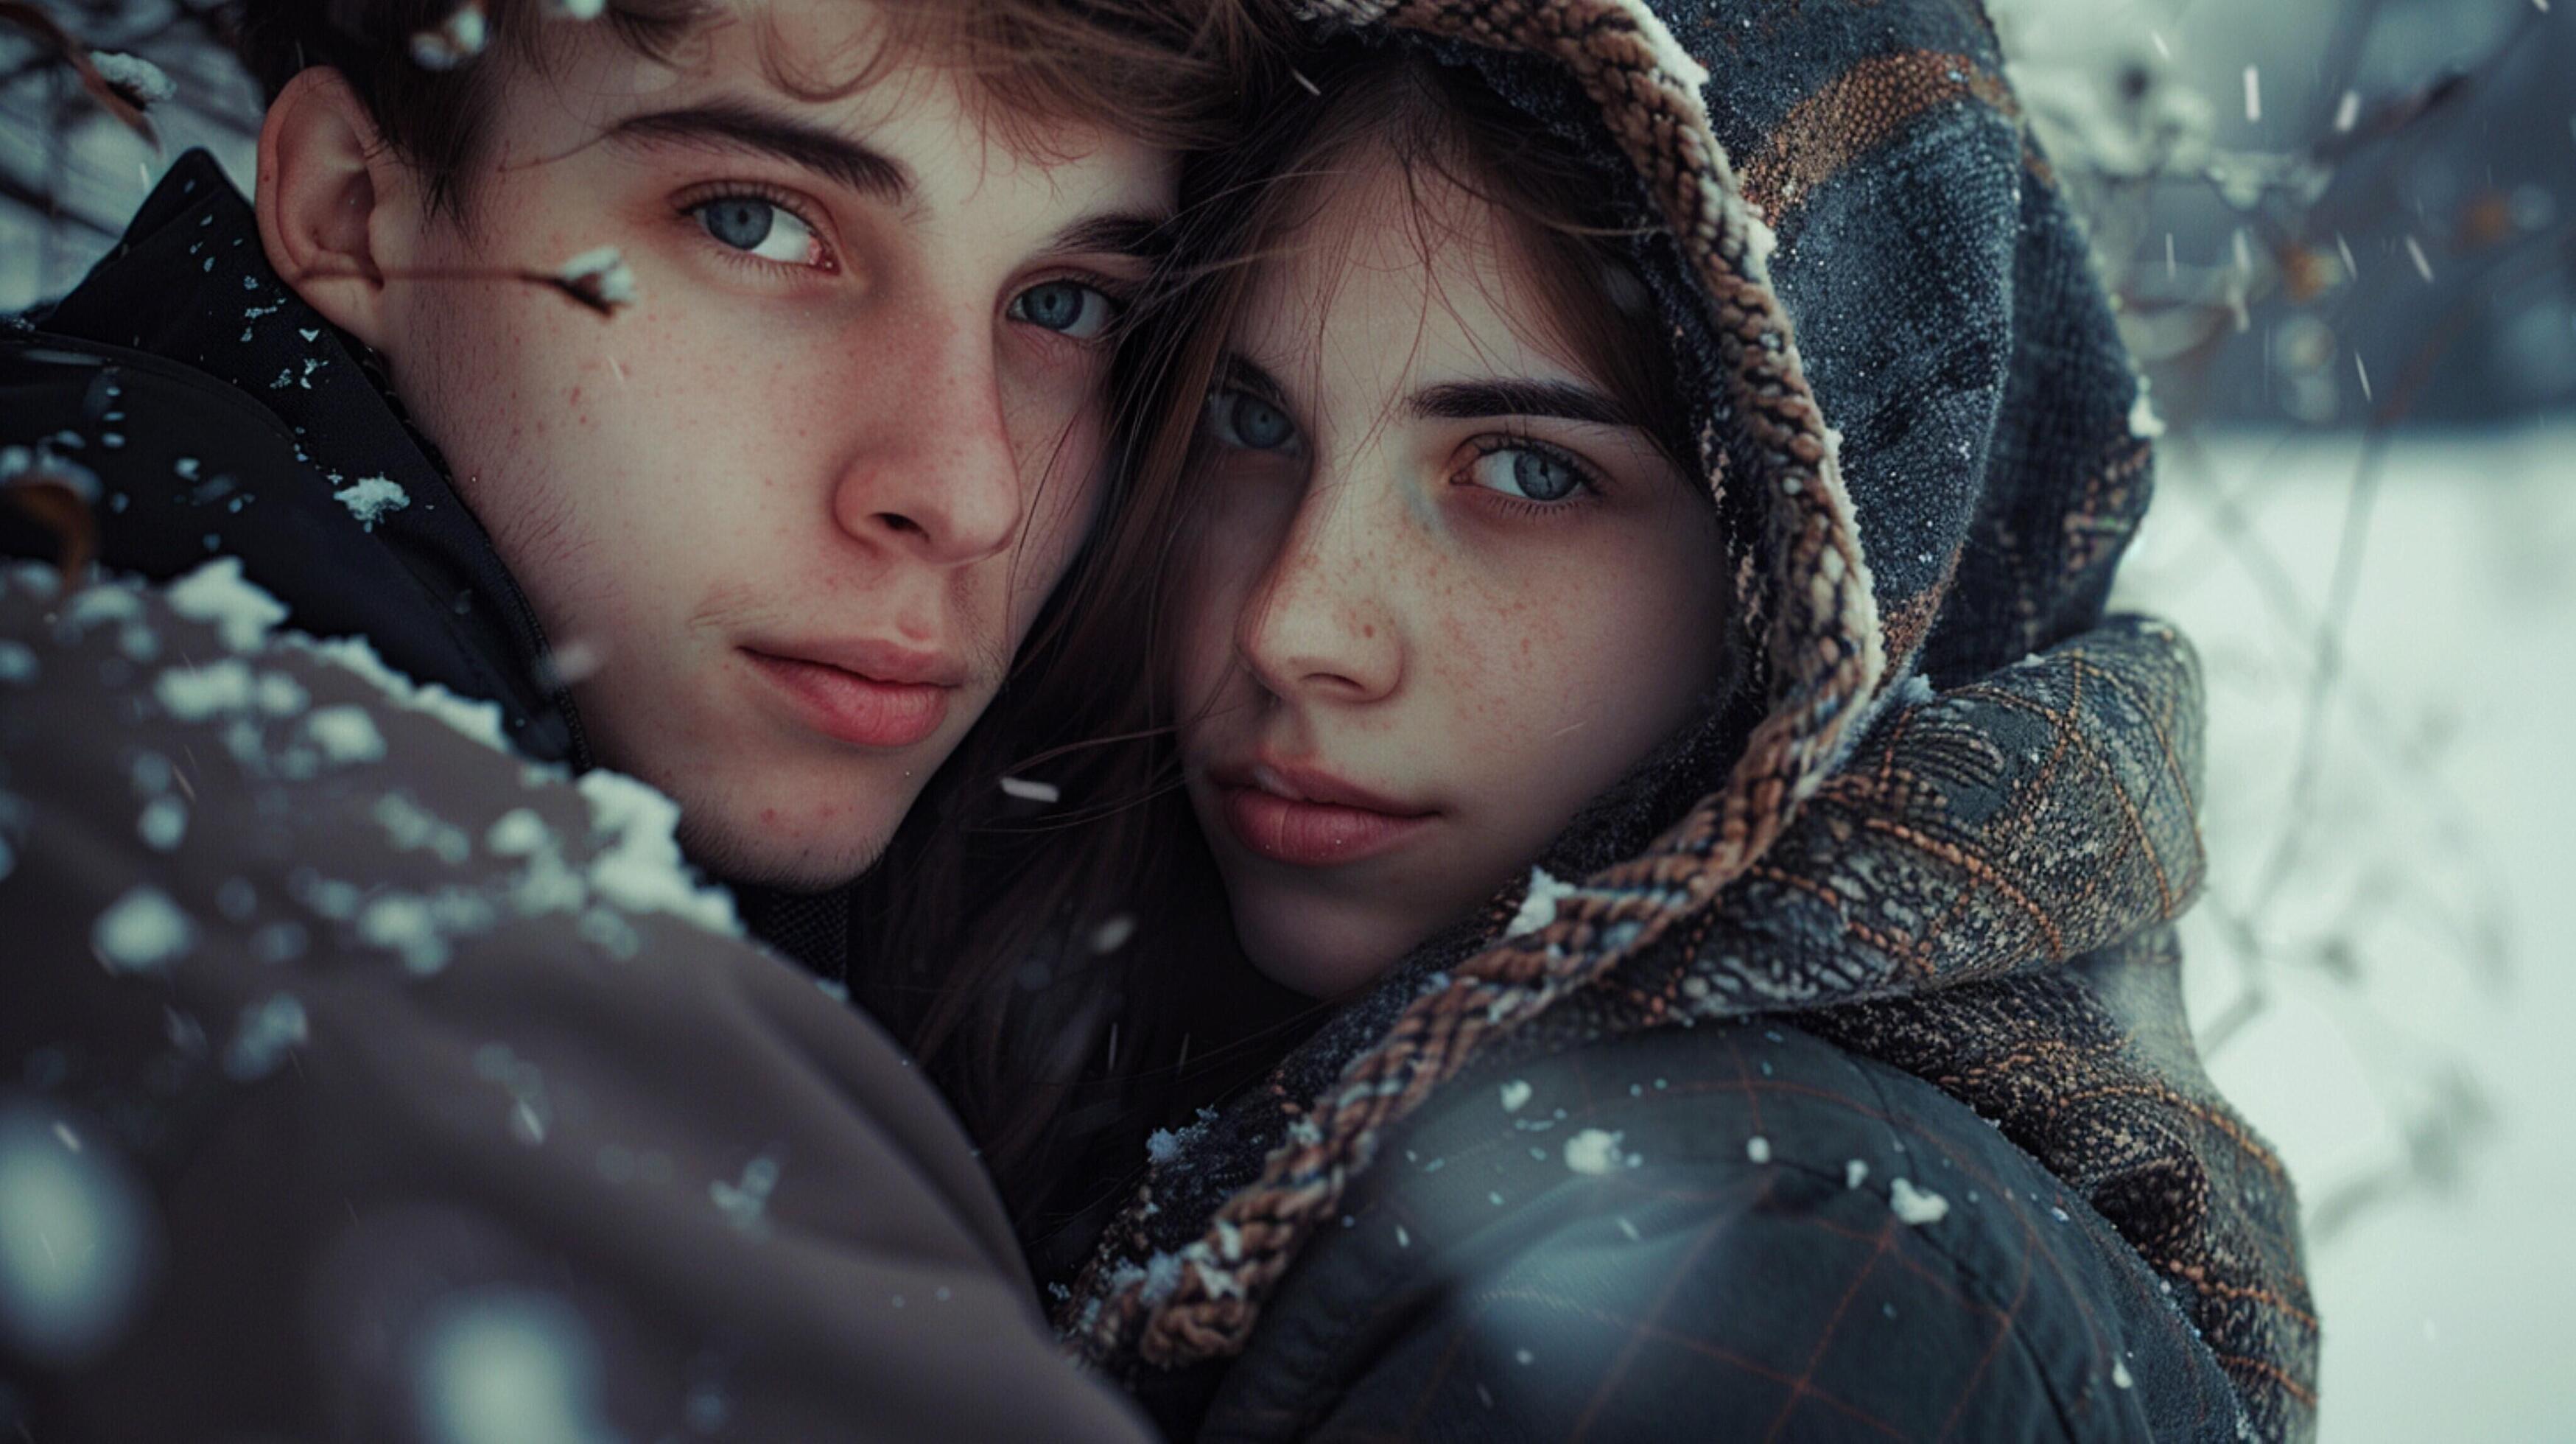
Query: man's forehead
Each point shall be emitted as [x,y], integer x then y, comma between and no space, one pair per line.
[855,66]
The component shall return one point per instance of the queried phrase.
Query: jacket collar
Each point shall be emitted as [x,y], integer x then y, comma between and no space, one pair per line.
[190,284]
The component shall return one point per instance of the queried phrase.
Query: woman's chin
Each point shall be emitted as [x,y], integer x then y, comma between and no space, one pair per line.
[1317,949]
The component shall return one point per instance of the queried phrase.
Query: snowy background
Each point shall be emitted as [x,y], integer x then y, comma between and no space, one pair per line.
[2343,233]
[2340,231]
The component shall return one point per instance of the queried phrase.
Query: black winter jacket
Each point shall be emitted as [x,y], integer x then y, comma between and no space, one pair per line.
[222,415]
[1689,1235]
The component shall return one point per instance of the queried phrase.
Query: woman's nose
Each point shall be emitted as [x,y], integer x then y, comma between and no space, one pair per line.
[1320,625]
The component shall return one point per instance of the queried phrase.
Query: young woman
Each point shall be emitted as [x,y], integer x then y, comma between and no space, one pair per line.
[1528,659]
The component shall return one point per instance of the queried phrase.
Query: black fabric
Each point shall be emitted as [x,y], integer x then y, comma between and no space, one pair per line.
[222,415]
[812,928]
[1734,1270]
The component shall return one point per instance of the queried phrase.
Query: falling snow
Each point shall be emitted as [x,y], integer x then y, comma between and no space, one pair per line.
[74,1240]
[456,40]
[1028,791]
[142,931]
[268,1029]
[164,823]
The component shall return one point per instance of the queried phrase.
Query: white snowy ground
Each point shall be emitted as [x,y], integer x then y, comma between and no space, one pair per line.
[2419,936]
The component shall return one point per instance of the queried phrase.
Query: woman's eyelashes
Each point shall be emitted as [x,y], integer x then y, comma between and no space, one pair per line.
[762,227]
[1525,471]
[1074,309]
[1528,474]
[1248,423]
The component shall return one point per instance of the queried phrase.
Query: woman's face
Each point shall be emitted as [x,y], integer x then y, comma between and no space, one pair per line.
[1441,593]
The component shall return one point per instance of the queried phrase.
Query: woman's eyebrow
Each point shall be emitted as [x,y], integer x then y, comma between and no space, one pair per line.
[1144,237]
[1479,400]
[1234,372]
[734,124]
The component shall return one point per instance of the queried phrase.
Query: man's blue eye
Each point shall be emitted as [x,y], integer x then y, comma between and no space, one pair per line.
[1067,307]
[758,227]
[1244,420]
[738,221]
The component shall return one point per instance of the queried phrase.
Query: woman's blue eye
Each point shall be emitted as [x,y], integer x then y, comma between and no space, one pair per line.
[1526,473]
[1243,420]
[1067,307]
[760,228]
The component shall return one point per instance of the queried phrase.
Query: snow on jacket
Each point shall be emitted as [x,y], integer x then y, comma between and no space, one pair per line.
[362,1074]
[1943,834]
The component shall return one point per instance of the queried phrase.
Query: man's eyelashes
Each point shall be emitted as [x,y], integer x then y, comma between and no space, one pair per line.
[763,226]
[773,231]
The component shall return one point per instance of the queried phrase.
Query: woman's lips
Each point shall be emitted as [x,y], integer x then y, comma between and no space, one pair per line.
[854,708]
[1313,834]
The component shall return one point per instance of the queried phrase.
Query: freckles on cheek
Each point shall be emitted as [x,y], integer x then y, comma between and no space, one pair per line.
[1511,634]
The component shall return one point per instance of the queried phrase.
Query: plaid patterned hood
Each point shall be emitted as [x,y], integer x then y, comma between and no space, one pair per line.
[1950,820]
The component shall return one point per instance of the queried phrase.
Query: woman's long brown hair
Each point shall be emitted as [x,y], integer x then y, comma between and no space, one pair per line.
[1067,973]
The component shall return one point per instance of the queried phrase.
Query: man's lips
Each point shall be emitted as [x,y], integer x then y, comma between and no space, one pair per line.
[862,693]
[1306,818]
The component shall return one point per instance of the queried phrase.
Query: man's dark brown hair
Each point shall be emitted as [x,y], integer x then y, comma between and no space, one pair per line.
[1158,70]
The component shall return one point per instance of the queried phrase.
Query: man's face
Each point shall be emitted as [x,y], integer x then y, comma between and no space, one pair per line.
[801,500]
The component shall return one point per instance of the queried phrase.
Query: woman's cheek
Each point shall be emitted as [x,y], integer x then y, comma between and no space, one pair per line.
[1507,651]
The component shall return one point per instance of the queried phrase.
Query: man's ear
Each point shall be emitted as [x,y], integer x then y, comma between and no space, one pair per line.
[338,213]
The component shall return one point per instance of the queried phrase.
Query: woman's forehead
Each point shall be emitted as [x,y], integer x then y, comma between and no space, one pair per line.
[1398,274]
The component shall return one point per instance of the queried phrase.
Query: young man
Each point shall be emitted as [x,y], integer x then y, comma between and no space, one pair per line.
[765,534]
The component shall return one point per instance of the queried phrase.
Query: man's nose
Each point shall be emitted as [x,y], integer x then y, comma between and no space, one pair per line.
[931,471]
[1320,624]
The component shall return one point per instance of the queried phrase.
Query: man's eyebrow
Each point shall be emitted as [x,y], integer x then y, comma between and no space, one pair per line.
[1478,400]
[739,125]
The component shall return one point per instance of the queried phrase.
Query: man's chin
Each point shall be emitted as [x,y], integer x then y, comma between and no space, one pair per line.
[743,853]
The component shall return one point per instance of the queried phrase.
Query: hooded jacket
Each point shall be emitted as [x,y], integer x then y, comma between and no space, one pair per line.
[1548,1180]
